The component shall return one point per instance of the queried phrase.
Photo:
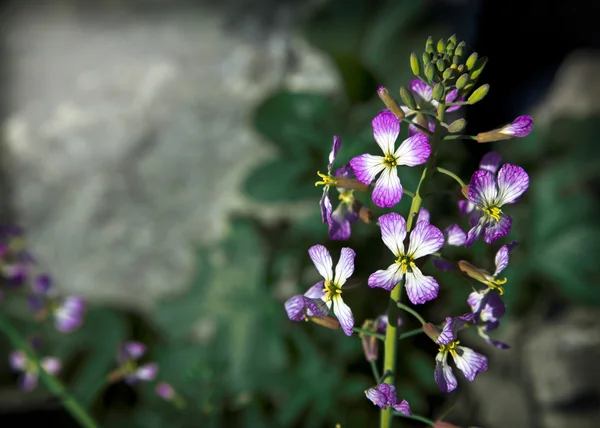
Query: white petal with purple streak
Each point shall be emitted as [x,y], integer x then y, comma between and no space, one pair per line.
[403,407]
[322,260]
[386,279]
[443,374]
[455,235]
[469,362]
[344,314]
[366,167]
[425,239]
[482,188]
[147,371]
[420,288]
[490,162]
[51,365]
[422,90]
[393,232]
[345,267]
[413,151]
[388,190]
[513,181]
[386,128]
[497,229]
[424,216]
[337,143]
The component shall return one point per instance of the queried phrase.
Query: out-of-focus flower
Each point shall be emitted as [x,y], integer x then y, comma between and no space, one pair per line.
[29,369]
[520,127]
[128,357]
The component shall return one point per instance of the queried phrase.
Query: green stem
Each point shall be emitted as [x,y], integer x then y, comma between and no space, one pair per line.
[376,374]
[458,103]
[410,333]
[391,336]
[460,137]
[369,333]
[408,192]
[452,175]
[53,384]
[416,418]
[412,312]
[421,128]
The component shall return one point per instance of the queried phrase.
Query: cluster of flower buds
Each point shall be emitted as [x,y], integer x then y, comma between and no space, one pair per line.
[446,79]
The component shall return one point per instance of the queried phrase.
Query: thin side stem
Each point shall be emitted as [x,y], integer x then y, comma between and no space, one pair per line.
[54,385]
[452,175]
[458,103]
[460,137]
[369,333]
[410,333]
[412,312]
[375,370]
[416,418]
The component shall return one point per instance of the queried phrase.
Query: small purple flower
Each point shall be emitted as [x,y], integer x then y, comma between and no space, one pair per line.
[489,194]
[29,370]
[309,304]
[425,239]
[520,127]
[127,358]
[328,181]
[468,361]
[488,308]
[346,213]
[489,162]
[413,151]
[165,391]
[384,395]
[455,236]
[423,94]
[483,276]
[68,316]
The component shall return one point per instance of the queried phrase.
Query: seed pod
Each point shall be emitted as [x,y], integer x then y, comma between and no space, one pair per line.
[415,64]
[430,71]
[471,60]
[408,98]
[441,46]
[438,92]
[457,126]
[462,81]
[479,93]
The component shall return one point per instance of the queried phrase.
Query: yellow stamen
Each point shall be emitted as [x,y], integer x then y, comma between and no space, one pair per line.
[390,160]
[347,198]
[331,290]
[406,263]
[328,180]
[493,212]
[450,347]
[496,284]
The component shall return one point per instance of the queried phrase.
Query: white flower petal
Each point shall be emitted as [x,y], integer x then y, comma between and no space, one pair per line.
[322,260]
[345,267]
[344,314]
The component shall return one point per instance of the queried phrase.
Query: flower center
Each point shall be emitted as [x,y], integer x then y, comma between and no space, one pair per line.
[390,160]
[406,263]
[347,198]
[496,284]
[327,180]
[331,290]
[493,211]
[450,347]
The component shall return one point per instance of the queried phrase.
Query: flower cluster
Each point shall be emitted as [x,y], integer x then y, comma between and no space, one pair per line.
[445,80]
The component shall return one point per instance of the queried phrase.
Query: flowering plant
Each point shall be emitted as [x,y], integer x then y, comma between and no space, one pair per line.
[445,80]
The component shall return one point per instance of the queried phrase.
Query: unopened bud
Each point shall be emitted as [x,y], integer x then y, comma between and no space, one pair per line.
[432,331]
[520,127]
[465,191]
[415,64]
[471,60]
[426,58]
[408,99]
[452,39]
[462,81]
[479,94]
[448,73]
[438,92]
[457,126]
[460,49]
[478,67]
[430,71]
[327,321]
[370,347]
[441,65]
[390,103]
[441,46]
[429,45]
[473,271]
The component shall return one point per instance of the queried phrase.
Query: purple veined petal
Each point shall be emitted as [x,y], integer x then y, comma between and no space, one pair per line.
[502,257]
[451,96]
[424,216]
[386,128]
[443,374]
[425,239]
[340,223]
[465,207]
[451,328]
[475,217]
[377,397]
[455,235]
[344,314]
[454,108]
[165,391]
[386,279]
[388,190]
[520,127]
[28,381]
[147,372]
[322,260]
[413,130]
[414,150]
[337,143]
[315,307]
[403,407]
[493,342]
[474,234]
[497,229]
[422,90]
[513,181]
[344,172]
[474,300]
[42,284]
[482,188]
[345,267]
[420,288]
[51,365]
[366,167]
[316,291]
[442,264]
[132,350]
[393,232]
[469,362]
[389,391]
[325,205]
[17,360]
[491,308]
[295,308]
[490,162]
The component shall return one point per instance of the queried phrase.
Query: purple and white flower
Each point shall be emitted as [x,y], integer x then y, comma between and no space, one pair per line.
[489,194]
[520,127]
[328,181]
[384,395]
[487,308]
[346,213]
[425,239]
[309,304]
[489,162]
[128,356]
[468,361]
[29,369]
[413,151]
[483,276]
[423,94]
[165,391]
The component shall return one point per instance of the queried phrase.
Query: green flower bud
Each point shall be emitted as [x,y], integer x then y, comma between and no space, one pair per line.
[461,68]
[460,49]
[438,92]
[452,39]
[441,65]
[408,98]
[450,48]
[479,93]
[448,74]
[455,60]
[457,126]
[415,64]
[462,81]
[478,68]
[441,46]
[429,45]
[471,60]
[426,58]
[430,71]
